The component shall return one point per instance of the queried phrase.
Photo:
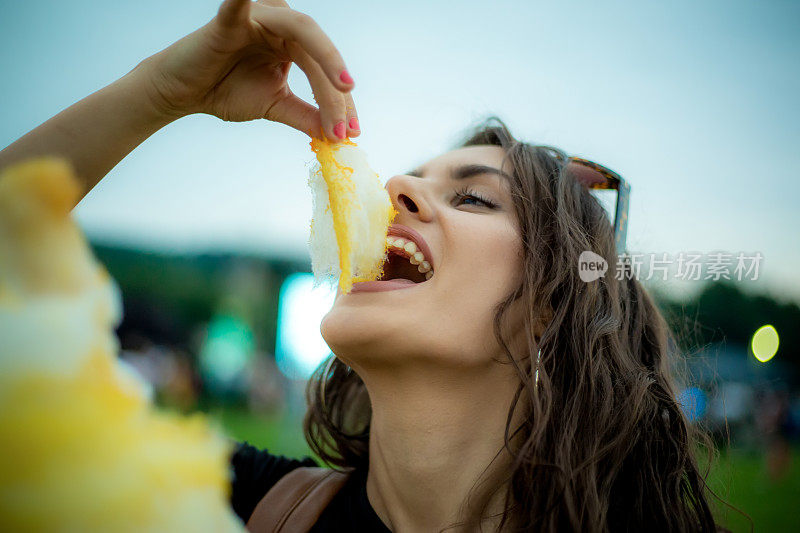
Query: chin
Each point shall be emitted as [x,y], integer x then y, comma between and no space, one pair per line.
[347,331]
[356,334]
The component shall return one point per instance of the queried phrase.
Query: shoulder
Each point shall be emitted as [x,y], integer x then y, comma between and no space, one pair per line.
[254,472]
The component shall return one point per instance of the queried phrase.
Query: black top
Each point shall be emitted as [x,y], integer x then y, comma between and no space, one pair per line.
[256,471]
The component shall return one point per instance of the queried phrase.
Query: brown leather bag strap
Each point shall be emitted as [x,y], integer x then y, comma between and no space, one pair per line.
[296,501]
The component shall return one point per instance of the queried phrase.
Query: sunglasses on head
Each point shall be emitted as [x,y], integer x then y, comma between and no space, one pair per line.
[596,176]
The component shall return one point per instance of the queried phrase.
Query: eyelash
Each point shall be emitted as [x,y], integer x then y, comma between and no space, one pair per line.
[466,192]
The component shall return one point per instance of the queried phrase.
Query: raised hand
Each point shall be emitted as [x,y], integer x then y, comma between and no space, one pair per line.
[236,68]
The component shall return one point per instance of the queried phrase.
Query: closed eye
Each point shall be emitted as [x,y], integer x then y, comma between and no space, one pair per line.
[466,194]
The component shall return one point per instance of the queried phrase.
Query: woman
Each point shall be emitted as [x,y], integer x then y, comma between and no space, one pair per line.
[504,393]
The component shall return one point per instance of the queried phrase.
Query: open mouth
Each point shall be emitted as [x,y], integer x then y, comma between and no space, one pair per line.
[398,266]
[406,264]
[405,261]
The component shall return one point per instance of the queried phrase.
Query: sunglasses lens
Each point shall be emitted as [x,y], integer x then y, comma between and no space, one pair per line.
[593,175]
[589,176]
[607,199]
[610,190]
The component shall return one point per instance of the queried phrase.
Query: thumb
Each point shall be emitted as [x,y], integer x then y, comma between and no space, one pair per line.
[296,113]
[233,12]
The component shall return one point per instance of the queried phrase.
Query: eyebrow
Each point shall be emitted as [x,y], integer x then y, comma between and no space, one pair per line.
[466,171]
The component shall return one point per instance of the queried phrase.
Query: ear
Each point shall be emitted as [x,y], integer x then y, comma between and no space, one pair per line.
[542,323]
[520,329]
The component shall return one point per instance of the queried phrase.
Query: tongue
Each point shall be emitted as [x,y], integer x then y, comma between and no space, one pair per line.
[403,280]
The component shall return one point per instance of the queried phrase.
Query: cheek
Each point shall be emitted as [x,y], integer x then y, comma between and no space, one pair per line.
[483,276]
[489,259]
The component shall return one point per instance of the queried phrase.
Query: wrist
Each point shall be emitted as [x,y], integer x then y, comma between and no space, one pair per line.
[146,97]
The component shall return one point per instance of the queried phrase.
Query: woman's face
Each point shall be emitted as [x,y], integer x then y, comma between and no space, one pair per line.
[476,259]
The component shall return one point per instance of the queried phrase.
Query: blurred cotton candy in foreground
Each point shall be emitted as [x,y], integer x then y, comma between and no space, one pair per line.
[352,213]
[82,448]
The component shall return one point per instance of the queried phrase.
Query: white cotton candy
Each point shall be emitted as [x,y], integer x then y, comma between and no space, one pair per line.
[351,216]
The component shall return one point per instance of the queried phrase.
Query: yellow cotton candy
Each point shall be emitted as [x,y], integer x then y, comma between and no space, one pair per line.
[352,214]
[82,447]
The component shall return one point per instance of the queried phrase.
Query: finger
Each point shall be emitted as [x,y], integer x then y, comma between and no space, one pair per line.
[331,102]
[301,28]
[296,113]
[353,127]
[233,13]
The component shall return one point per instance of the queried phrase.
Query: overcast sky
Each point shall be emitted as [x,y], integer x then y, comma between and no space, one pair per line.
[695,103]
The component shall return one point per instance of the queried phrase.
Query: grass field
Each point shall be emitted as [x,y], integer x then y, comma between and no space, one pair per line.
[739,477]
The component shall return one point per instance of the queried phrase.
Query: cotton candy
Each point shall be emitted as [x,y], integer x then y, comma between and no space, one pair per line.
[351,216]
[81,447]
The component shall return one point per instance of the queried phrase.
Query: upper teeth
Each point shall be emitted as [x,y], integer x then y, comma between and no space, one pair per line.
[415,256]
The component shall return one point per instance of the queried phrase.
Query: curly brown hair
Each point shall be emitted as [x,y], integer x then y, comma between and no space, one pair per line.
[603,444]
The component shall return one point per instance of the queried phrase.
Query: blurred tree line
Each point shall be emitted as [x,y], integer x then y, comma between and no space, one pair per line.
[723,312]
[166,297]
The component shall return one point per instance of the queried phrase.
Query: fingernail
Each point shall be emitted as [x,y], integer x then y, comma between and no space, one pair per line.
[353,123]
[345,77]
[338,129]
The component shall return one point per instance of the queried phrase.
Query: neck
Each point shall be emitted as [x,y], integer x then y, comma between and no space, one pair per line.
[433,433]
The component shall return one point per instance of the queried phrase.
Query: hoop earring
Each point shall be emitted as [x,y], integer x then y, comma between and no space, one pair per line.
[536,374]
[324,379]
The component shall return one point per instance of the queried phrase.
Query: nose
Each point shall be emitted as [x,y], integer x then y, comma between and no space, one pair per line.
[408,198]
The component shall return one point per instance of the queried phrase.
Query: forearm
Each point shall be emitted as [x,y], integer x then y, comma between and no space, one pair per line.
[97,132]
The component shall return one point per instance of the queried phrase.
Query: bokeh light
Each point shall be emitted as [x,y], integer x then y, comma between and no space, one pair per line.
[765,343]
[225,353]
[299,346]
[693,402]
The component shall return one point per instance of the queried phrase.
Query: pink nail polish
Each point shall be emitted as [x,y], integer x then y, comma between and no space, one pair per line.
[353,123]
[345,77]
[339,130]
